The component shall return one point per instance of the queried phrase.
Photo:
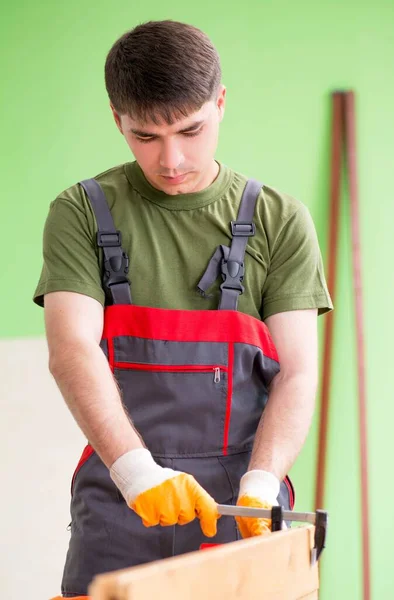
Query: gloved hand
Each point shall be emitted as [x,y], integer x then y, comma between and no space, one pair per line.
[258,489]
[162,496]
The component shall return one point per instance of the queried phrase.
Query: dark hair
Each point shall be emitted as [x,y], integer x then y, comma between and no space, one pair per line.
[162,69]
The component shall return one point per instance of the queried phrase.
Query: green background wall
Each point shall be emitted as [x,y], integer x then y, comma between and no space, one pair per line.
[280,62]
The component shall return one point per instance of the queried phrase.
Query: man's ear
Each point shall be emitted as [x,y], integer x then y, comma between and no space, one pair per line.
[116,118]
[221,101]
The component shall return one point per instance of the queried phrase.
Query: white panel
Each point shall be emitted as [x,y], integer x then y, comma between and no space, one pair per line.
[40,445]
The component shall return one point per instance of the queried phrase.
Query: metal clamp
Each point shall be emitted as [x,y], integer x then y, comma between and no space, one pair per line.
[277,514]
[320,530]
[320,535]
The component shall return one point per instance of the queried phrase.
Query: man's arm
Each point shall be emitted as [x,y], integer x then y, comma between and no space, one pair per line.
[74,325]
[288,414]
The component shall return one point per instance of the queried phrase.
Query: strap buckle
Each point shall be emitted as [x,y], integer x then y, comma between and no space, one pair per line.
[233,275]
[243,228]
[109,239]
[116,269]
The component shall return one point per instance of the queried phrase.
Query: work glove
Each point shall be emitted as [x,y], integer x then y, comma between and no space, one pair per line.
[162,496]
[258,489]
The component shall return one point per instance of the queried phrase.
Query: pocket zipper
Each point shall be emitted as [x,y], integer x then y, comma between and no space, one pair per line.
[174,368]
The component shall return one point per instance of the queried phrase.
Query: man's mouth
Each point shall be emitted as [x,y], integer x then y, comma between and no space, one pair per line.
[176,179]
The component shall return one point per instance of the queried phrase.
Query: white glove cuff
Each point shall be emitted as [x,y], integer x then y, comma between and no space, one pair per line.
[260,484]
[136,471]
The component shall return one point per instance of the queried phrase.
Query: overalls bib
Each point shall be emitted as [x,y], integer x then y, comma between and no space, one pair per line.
[195,385]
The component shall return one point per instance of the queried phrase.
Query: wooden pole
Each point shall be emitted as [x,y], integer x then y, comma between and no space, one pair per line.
[336,147]
[344,139]
[351,163]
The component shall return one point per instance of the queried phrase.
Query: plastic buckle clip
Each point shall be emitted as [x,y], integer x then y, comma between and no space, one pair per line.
[233,275]
[109,239]
[242,228]
[116,269]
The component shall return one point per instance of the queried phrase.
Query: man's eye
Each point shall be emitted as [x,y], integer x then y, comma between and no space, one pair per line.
[145,140]
[192,133]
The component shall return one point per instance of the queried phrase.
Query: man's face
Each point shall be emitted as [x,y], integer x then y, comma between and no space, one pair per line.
[178,158]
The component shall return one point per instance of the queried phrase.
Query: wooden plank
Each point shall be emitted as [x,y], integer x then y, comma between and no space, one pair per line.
[275,567]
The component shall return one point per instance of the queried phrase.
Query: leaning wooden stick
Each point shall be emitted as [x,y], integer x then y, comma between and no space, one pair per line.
[274,567]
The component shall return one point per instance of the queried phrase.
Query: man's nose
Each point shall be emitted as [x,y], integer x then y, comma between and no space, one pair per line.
[171,155]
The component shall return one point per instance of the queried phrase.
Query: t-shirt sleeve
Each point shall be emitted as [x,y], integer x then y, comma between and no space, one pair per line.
[70,256]
[295,278]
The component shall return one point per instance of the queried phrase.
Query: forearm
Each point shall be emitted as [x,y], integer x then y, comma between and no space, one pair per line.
[284,425]
[85,380]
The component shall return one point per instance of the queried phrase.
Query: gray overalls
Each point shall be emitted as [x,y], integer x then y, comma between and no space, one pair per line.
[195,385]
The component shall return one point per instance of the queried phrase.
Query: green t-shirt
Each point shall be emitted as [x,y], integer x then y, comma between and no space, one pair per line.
[170,240]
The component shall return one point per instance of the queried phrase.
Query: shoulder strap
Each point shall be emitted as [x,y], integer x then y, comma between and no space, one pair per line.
[241,229]
[116,285]
[229,262]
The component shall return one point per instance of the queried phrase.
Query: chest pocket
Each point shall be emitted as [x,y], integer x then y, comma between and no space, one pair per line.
[176,393]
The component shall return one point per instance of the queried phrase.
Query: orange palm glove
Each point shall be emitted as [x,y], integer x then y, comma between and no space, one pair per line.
[258,489]
[162,496]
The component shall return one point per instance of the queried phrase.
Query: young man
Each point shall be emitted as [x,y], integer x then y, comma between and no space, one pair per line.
[169,376]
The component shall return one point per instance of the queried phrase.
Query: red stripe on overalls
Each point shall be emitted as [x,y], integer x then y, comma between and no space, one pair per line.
[291,491]
[111,353]
[187,326]
[229,397]
[87,452]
